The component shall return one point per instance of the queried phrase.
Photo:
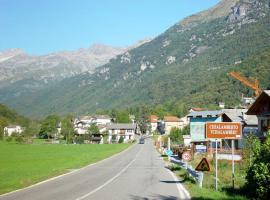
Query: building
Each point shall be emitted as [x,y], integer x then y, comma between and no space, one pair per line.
[13,129]
[153,120]
[184,121]
[171,122]
[127,131]
[261,108]
[200,118]
[101,119]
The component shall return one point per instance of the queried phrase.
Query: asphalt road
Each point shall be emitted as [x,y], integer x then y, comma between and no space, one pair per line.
[137,173]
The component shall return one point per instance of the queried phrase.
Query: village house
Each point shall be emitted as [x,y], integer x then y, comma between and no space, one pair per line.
[261,108]
[101,119]
[153,120]
[115,131]
[171,122]
[13,129]
[200,118]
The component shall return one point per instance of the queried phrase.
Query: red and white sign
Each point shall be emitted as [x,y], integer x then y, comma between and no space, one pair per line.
[186,156]
[223,130]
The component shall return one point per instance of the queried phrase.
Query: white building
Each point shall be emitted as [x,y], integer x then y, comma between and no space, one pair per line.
[127,131]
[9,130]
[153,119]
[101,119]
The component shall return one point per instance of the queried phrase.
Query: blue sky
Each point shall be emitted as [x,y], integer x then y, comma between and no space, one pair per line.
[43,26]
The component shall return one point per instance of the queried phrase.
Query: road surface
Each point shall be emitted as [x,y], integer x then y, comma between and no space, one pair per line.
[137,173]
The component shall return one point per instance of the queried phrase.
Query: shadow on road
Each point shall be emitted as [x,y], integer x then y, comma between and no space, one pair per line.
[170,181]
[155,197]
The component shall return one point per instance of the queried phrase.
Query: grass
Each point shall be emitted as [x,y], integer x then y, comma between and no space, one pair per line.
[203,193]
[23,164]
[224,173]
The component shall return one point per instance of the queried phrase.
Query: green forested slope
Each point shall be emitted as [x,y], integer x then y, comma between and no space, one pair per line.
[8,116]
[186,64]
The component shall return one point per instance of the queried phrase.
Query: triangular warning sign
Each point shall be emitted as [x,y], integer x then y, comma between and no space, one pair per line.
[203,165]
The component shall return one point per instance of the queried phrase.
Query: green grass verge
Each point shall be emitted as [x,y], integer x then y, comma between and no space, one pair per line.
[203,193]
[23,164]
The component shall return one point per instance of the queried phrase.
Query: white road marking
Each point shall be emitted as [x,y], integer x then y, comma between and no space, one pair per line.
[112,179]
[184,194]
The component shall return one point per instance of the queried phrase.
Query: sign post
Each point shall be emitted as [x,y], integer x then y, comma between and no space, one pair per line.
[224,130]
[186,156]
[216,168]
[202,166]
[233,165]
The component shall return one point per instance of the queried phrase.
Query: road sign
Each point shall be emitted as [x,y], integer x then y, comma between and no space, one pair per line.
[223,130]
[203,165]
[186,156]
[200,148]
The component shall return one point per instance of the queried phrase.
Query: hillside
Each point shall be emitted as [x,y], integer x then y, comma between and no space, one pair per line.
[187,63]
[9,117]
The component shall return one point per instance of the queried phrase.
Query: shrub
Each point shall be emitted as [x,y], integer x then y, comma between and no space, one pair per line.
[121,139]
[9,139]
[258,174]
[19,139]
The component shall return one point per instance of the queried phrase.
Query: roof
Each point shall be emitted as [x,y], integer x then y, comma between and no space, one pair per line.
[197,109]
[121,126]
[102,117]
[13,126]
[239,115]
[153,118]
[207,113]
[261,106]
[86,117]
[171,119]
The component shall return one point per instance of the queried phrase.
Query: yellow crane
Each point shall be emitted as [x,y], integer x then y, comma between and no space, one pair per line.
[254,85]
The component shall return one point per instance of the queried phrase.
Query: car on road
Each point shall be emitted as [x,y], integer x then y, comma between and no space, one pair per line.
[141,141]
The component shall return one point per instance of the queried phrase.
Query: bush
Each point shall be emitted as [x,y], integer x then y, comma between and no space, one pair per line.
[113,138]
[121,139]
[258,174]
[9,139]
[19,139]
[79,139]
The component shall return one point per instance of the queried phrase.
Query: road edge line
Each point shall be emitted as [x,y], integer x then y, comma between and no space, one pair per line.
[181,189]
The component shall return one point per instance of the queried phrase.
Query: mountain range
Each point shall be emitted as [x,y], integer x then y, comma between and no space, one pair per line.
[188,63]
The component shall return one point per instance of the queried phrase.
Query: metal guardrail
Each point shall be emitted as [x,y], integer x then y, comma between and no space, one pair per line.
[196,175]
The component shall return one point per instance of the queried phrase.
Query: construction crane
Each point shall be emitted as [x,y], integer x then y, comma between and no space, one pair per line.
[254,85]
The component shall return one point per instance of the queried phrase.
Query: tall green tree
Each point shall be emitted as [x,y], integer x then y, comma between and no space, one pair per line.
[49,126]
[176,136]
[1,133]
[93,129]
[142,119]
[67,128]
[122,116]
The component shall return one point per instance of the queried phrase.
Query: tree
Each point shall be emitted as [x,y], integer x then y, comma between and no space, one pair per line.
[176,136]
[67,129]
[122,117]
[92,130]
[1,133]
[258,174]
[49,126]
[142,119]
[32,129]
[121,139]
